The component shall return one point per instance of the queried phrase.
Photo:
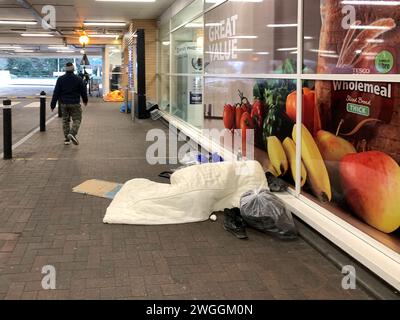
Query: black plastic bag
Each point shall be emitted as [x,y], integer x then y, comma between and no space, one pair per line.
[264,211]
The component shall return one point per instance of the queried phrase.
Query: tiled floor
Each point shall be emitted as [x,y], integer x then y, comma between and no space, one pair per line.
[43,223]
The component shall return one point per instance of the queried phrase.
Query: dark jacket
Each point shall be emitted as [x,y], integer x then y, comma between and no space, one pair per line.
[69,90]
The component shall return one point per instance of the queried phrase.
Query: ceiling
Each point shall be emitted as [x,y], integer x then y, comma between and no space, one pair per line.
[70,15]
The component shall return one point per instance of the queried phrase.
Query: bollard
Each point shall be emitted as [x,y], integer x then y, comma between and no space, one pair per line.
[42,111]
[7,130]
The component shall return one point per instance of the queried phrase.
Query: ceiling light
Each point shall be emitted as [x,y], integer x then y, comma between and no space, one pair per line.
[286,49]
[59,47]
[262,53]
[65,51]
[37,35]
[17,22]
[308,38]
[103,36]
[282,25]
[24,51]
[84,39]
[194,25]
[243,37]
[323,51]
[213,24]
[107,24]
[166,43]
[243,50]
[9,48]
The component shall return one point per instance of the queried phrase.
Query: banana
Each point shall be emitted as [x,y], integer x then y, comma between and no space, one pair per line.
[290,149]
[277,156]
[315,165]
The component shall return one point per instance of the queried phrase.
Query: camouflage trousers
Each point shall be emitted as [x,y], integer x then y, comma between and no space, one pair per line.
[74,112]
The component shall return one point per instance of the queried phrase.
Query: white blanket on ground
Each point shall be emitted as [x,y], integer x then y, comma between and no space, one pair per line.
[193,195]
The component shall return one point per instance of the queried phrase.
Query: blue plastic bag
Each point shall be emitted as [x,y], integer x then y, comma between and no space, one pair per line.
[123,108]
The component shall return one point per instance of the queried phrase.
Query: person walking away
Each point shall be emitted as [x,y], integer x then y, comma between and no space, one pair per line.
[68,92]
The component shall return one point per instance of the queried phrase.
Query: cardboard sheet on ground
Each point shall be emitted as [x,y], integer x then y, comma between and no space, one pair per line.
[193,195]
[99,188]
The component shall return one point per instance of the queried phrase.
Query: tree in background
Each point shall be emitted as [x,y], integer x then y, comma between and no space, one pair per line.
[32,67]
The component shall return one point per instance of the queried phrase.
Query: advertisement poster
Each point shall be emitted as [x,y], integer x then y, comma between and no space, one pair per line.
[351,129]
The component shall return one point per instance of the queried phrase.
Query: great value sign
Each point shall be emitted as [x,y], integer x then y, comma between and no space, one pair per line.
[222,44]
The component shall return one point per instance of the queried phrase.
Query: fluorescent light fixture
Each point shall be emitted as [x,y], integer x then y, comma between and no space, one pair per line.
[243,50]
[243,37]
[262,53]
[372,2]
[286,49]
[18,22]
[323,51]
[213,24]
[308,38]
[103,36]
[9,48]
[369,27]
[24,51]
[217,53]
[65,51]
[60,47]
[37,35]
[194,25]
[335,56]
[282,25]
[166,43]
[106,24]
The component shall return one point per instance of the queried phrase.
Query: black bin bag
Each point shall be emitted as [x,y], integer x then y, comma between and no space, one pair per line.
[264,211]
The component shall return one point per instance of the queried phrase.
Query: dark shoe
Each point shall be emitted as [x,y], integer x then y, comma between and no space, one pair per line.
[73,139]
[67,142]
[275,184]
[235,224]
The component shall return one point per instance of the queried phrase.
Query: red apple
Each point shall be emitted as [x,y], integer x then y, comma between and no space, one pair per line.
[371,183]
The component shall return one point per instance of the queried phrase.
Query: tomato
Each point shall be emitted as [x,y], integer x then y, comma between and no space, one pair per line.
[229,117]
[246,123]
[311,118]
[239,112]
[258,113]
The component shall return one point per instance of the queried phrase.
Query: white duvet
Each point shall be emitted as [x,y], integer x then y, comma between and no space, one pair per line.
[193,195]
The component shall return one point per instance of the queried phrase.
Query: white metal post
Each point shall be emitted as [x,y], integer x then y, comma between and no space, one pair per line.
[299,111]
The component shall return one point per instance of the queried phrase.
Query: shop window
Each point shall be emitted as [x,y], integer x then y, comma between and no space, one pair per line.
[187,14]
[187,48]
[351,38]
[164,93]
[352,135]
[251,37]
[259,105]
[187,99]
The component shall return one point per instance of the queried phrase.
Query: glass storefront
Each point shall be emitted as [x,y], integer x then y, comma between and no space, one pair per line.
[349,66]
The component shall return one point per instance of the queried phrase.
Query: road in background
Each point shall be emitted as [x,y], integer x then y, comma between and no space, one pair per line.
[25,112]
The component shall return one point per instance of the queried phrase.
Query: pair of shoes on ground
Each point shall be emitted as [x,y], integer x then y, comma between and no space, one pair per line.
[70,138]
[234,223]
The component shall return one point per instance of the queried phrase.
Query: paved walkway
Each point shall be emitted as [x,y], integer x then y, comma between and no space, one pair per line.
[43,223]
